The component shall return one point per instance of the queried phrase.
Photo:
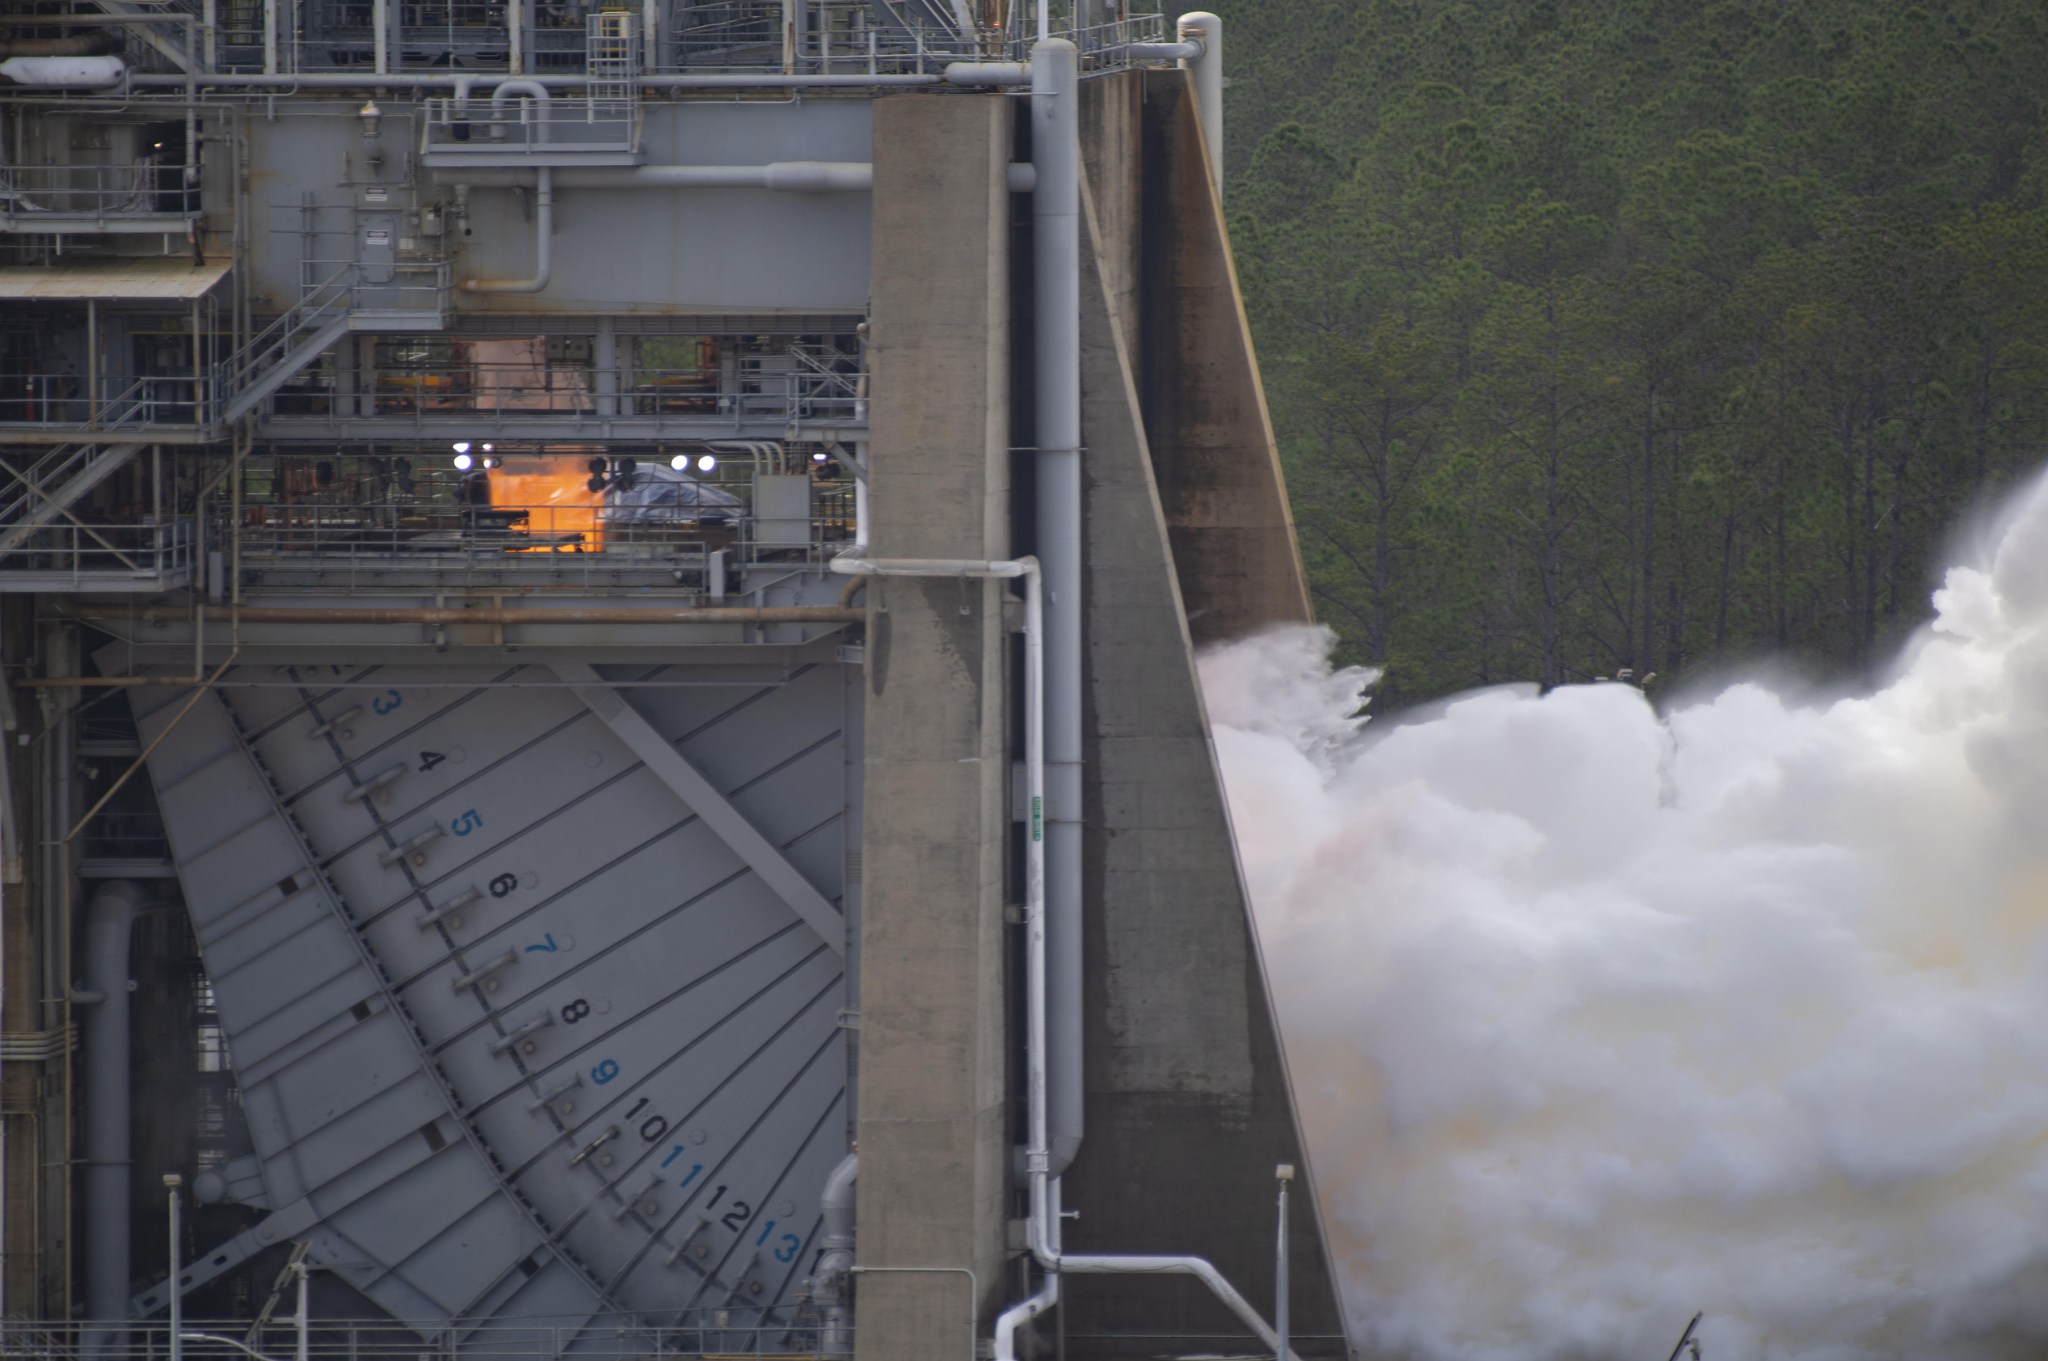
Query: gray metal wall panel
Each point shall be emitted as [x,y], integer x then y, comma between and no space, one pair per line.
[697,250]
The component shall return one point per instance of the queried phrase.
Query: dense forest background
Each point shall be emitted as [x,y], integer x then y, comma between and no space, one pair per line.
[1662,334]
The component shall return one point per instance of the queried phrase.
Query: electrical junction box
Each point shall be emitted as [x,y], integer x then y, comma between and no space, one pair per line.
[782,510]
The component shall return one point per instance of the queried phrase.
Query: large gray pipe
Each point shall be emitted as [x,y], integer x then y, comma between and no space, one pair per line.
[794,177]
[1205,70]
[1056,323]
[543,244]
[109,924]
[835,1268]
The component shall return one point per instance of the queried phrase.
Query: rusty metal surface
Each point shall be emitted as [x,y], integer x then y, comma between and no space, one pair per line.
[1213,450]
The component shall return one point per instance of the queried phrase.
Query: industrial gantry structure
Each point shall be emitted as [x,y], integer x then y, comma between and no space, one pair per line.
[602,749]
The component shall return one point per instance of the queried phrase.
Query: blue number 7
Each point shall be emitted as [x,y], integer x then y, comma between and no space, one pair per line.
[547,947]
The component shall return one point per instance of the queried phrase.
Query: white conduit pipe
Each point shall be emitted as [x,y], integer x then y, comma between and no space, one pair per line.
[543,244]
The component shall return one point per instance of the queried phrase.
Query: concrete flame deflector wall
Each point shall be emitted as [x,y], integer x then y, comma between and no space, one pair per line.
[1188,1101]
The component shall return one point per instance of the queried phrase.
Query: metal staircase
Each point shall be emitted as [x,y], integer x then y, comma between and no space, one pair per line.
[152,30]
[324,313]
[53,484]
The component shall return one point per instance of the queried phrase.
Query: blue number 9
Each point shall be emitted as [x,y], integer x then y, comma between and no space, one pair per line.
[605,1072]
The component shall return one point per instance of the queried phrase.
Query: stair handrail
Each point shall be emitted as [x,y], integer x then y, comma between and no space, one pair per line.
[316,306]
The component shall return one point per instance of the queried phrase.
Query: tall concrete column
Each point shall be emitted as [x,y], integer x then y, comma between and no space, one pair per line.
[934,1130]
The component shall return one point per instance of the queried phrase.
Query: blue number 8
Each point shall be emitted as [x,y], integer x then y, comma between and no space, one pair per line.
[605,1072]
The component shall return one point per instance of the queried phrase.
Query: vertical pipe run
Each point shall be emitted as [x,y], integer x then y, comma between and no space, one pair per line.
[305,1313]
[1056,321]
[1283,1174]
[834,1271]
[172,1182]
[1053,956]
[543,242]
[1206,71]
[109,922]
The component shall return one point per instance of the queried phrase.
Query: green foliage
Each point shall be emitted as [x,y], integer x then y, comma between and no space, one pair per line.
[1639,333]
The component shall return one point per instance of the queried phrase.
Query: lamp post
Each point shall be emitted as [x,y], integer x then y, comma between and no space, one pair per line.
[1284,1173]
[172,1181]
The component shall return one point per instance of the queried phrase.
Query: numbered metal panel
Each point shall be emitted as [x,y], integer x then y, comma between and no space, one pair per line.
[521,1031]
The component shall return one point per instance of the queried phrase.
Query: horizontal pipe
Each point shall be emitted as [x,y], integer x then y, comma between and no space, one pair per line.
[988,73]
[1183,1266]
[336,80]
[814,177]
[552,614]
[850,566]
[1190,50]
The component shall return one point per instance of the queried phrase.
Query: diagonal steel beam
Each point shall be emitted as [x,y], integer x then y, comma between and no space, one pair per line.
[709,803]
[59,501]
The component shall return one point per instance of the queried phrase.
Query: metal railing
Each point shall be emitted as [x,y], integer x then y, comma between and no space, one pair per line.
[317,306]
[700,1335]
[62,400]
[141,188]
[842,37]
[346,543]
[521,128]
[438,397]
[125,836]
[74,556]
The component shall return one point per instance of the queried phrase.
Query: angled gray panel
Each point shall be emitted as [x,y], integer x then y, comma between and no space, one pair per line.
[526,1029]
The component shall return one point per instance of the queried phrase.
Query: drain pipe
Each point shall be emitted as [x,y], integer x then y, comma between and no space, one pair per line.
[109,923]
[543,244]
[835,1268]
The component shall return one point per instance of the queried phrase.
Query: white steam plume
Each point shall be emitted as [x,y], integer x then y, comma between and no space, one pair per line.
[1598,1019]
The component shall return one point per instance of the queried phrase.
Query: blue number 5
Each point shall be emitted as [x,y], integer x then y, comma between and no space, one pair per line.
[467,823]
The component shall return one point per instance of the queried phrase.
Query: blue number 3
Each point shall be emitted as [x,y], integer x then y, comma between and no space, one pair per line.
[786,1250]
[386,702]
